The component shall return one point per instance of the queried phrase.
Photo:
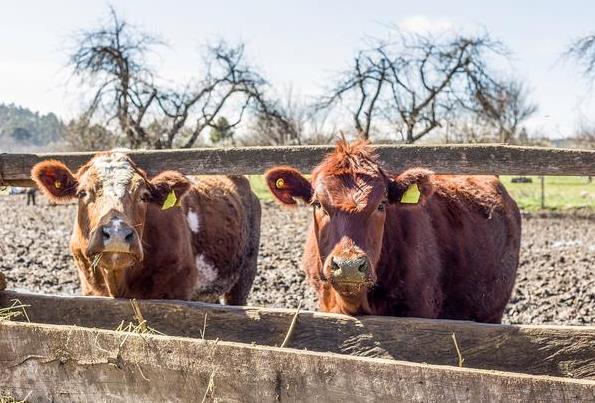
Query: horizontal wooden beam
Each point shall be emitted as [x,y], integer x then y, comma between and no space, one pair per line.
[65,363]
[540,350]
[446,159]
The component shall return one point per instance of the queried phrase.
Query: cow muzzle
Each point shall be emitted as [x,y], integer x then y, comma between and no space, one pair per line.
[114,245]
[349,274]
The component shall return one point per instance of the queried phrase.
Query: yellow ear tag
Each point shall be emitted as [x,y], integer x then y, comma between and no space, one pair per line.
[280,183]
[170,201]
[57,184]
[411,195]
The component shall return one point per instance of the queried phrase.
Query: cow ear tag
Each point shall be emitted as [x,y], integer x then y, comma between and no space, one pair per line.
[411,195]
[170,201]
[57,184]
[280,183]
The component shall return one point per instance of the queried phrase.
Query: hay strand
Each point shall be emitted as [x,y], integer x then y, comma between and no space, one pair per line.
[461,360]
[210,387]
[292,325]
[14,311]
[141,327]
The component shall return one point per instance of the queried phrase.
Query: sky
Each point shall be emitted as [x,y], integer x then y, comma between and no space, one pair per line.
[300,44]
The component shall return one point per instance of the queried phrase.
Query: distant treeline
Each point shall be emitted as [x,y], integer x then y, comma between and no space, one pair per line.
[22,128]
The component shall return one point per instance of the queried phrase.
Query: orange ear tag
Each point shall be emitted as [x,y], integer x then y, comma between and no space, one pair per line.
[57,184]
[280,183]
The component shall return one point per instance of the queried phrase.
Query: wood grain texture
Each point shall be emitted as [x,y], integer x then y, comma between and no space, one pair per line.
[58,363]
[447,159]
[540,350]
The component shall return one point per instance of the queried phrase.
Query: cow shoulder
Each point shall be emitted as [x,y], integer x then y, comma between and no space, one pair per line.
[481,194]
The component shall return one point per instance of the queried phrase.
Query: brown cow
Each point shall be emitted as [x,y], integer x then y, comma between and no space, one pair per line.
[163,237]
[450,252]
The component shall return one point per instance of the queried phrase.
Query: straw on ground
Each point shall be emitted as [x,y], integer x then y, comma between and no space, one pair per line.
[141,326]
[14,311]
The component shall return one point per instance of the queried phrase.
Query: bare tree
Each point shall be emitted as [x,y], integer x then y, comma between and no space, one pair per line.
[585,136]
[113,60]
[288,120]
[279,122]
[583,50]
[83,135]
[413,84]
[505,109]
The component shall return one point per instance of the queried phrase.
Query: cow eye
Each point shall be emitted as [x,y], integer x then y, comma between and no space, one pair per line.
[81,194]
[145,196]
[382,206]
[318,206]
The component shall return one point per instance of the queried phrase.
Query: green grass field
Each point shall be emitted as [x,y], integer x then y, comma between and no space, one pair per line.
[561,192]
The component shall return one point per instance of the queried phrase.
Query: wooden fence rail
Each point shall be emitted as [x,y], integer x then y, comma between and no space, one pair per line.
[562,351]
[447,159]
[71,364]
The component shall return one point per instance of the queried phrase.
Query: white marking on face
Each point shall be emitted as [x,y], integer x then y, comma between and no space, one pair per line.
[193,221]
[115,172]
[207,273]
[116,224]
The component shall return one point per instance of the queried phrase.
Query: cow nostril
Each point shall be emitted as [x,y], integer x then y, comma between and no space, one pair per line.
[129,237]
[363,267]
[105,233]
[334,265]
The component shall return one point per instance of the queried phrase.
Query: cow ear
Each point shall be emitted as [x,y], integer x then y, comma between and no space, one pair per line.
[288,184]
[411,187]
[55,180]
[168,188]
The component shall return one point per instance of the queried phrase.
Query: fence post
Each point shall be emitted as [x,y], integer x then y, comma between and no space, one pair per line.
[542,178]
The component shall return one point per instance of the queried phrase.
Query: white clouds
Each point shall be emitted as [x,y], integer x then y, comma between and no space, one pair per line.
[421,24]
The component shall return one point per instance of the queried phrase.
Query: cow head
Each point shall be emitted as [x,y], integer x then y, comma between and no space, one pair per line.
[350,195]
[113,196]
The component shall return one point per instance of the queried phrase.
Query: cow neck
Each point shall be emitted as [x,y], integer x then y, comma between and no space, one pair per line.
[166,241]
[398,245]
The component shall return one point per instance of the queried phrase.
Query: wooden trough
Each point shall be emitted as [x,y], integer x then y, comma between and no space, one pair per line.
[71,353]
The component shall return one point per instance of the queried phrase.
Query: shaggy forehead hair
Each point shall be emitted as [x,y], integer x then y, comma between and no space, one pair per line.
[352,171]
[350,159]
[113,171]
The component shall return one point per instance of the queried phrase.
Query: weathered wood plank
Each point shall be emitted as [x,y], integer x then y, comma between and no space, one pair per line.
[452,159]
[57,363]
[540,350]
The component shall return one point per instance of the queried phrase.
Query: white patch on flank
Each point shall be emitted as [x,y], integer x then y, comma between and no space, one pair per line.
[207,273]
[115,172]
[193,221]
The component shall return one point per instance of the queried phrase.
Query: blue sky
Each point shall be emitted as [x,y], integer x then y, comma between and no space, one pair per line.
[299,44]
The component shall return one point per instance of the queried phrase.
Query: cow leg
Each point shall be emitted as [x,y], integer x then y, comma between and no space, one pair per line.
[238,294]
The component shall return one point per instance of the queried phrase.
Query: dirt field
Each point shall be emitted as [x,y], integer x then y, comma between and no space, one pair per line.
[555,284]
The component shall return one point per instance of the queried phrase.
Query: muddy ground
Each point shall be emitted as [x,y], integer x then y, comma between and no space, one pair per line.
[555,283]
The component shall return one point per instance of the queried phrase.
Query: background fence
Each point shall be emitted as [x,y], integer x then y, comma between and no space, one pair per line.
[443,159]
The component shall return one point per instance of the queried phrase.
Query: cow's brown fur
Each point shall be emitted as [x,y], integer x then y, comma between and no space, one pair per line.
[452,255]
[225,236]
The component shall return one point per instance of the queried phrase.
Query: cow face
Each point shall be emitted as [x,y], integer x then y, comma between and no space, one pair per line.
[113,196]
[350,196]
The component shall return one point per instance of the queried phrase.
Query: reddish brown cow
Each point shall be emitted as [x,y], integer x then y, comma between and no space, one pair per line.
[163,237]
[452,253]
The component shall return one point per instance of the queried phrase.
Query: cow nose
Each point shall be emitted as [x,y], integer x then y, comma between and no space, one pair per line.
[350,269]
[117,232]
